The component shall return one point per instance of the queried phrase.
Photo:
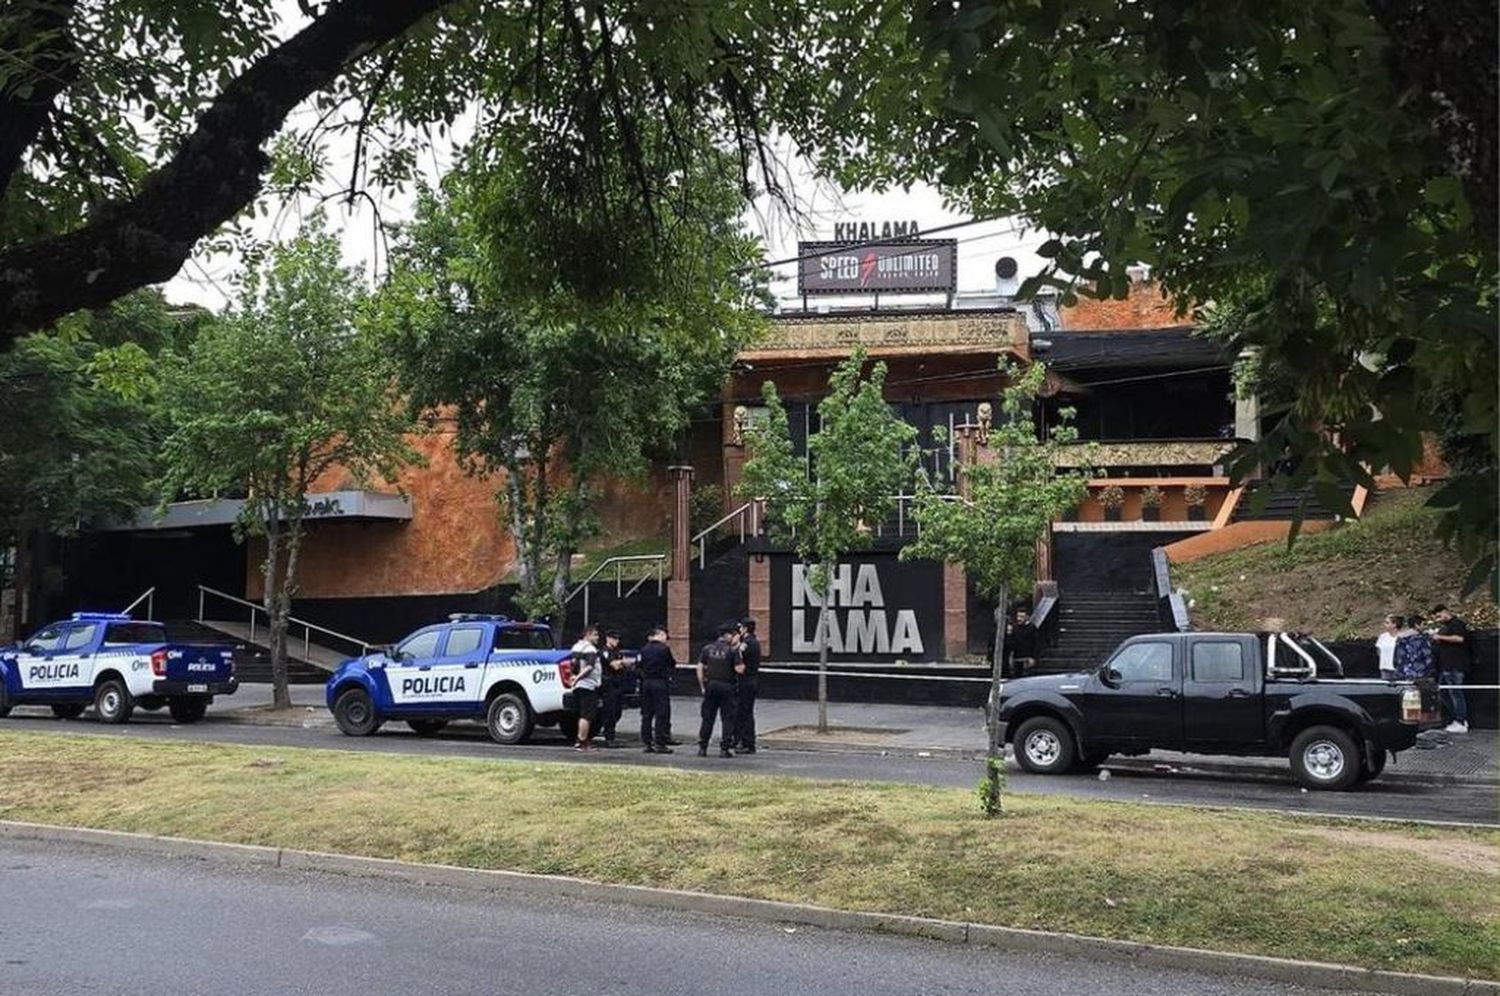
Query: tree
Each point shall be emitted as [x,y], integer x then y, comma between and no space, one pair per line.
[558,361]
[860,458]
[130,132]
[288,387]
[77,435]
[1005,507]
[1326,170]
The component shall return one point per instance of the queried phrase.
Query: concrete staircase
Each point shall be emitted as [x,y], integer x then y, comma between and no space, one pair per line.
[307,663]
[1282,505]
[1090,624]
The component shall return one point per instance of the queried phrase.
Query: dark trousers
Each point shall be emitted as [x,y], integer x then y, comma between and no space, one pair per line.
[1454,703]
[744,711]
[718,700]
[612,705]
[656,712]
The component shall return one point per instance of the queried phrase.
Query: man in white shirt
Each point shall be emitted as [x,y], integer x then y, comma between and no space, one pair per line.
[586,679]
[1385,646]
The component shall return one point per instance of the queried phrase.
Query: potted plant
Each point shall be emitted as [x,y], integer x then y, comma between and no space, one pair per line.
[1196,496]
[1151,504]
[1113,499]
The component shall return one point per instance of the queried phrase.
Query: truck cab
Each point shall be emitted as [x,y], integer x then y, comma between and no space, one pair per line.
[1218,693]
[474,666]
[116,664]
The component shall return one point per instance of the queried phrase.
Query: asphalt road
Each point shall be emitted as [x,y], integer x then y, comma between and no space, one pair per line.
[1382,800]
[80,920]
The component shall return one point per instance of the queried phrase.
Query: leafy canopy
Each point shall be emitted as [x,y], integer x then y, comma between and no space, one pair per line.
[1006,503]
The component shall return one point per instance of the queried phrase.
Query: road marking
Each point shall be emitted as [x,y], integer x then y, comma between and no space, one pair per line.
[338,936]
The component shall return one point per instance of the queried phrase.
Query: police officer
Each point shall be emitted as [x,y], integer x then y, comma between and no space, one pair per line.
[616,683]
[718,665]
[745,687]
[656,667]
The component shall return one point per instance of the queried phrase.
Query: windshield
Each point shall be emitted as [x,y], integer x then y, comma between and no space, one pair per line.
[134,632]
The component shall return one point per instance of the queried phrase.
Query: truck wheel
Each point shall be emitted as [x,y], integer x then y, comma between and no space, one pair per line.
[112,701]
[1370,772]
[1044,746]
[426,727]
[1325,757]
[69,710]
[509,719]
[187,710]
[355,713]
[5,702]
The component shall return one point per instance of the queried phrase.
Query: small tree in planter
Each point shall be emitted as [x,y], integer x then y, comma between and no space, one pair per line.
[1196,496]
[1151,504]
[993,530]
[1113,499]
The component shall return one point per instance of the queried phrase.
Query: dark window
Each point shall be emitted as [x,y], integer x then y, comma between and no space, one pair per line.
[1144,662]
[134,632]
[80,636]
[1218,662]
[522,638]
[464,640]
[424,644]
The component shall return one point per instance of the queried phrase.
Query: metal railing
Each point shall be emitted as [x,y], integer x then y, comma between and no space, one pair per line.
[658,561]
[746,519]
[149,597]
[308,629]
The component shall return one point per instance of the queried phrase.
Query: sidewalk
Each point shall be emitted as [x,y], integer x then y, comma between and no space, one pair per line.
[859,727]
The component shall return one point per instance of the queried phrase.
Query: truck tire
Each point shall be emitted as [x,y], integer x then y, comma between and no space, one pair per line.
[112,701]
[509,719]
[354,712]
[69,710]
[426,727]
[5,702]
[1325,757]
[187,710]
[1044,746]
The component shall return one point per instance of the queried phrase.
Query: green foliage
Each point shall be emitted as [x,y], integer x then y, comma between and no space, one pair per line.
[861,457]
[1009,502]
[555,365]
[988,789]
[1277,158]
[289,386]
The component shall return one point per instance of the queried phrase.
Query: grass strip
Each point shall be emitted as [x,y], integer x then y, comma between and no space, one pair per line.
[1411,899]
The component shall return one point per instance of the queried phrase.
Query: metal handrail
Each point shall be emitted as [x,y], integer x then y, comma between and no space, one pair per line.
[149,597]
[659,559]
[749,510]
[307,628]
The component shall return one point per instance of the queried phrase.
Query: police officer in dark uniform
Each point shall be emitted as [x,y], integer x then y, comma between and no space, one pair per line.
[718,666]
[616,684]
[745,687]
[656,667]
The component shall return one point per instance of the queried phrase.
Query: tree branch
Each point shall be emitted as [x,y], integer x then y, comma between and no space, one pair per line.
[216,173]
[43,32]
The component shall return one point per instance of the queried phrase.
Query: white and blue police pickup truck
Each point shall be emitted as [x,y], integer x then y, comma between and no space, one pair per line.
[485,667]
[114,663]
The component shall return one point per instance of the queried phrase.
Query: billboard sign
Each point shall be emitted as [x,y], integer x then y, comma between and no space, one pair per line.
[904,266]
[883,609]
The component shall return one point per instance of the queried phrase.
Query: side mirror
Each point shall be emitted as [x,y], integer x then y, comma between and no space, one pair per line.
[1110,676]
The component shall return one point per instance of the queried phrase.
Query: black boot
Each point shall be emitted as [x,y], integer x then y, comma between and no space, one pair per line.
[702,750]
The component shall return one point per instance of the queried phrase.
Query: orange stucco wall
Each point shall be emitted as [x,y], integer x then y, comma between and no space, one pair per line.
[1237,535]
[1145,308]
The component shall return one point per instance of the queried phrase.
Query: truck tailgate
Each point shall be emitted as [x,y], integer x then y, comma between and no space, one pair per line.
[199,664]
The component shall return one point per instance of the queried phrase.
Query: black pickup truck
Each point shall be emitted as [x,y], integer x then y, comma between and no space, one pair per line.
[1263,694]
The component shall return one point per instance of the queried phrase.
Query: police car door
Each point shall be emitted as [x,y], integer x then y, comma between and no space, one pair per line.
[44,666]
[459,668]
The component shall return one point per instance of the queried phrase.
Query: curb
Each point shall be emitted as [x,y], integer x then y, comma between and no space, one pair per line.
[1229,768]
[1284,970]
[311,720]
[876,750]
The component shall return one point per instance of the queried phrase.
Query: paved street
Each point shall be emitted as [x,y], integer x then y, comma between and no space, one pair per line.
[1392,800]
[84,920]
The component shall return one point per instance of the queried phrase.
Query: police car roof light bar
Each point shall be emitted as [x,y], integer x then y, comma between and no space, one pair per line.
[101,617]
[477,617]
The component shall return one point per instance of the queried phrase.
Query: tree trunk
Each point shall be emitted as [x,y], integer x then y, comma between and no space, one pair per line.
[994,756]
[823,620]
[281,687]
[271,600]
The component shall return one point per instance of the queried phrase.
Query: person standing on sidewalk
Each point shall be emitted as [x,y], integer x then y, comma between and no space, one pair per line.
[1452,640]
[746,686]
[1413,655]
[1385,646]
[718,665]
[586,681]
[656,667]
[615,684]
